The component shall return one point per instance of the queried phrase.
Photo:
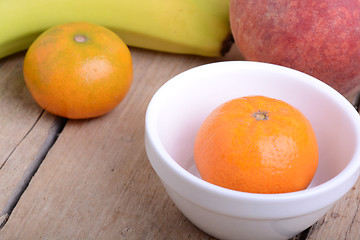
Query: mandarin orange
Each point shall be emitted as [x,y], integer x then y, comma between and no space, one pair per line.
[78,70]
[257,144]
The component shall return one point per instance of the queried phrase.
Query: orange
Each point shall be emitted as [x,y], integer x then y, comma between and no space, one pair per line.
[257,144]
[78,70]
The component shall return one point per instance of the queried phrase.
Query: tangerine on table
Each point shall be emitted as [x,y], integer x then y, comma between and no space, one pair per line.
[257,144]
[78,70]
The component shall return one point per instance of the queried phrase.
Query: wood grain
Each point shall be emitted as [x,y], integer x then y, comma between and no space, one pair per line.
[24,127]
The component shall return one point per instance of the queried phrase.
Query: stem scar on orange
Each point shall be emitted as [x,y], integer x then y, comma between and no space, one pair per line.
[78,70]
[257,144]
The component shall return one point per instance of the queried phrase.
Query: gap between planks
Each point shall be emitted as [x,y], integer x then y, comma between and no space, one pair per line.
[51,138]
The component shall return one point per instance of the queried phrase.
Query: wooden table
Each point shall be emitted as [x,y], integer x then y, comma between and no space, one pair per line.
[91,179]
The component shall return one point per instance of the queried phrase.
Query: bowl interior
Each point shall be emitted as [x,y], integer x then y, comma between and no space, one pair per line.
[186,101]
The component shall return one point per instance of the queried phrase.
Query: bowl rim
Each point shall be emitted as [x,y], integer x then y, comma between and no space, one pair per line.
[153,143]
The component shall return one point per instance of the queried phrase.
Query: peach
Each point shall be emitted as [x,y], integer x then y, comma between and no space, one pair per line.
[318,37]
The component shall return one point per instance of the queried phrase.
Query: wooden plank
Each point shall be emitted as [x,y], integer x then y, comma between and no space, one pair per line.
[18,110]
[23,130]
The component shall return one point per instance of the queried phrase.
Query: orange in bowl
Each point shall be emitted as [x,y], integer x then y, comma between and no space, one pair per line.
[257,144]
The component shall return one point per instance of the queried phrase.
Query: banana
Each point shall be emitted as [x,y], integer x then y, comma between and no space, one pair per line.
[197,27]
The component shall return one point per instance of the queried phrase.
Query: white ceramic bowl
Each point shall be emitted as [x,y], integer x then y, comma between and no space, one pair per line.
[180,106]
